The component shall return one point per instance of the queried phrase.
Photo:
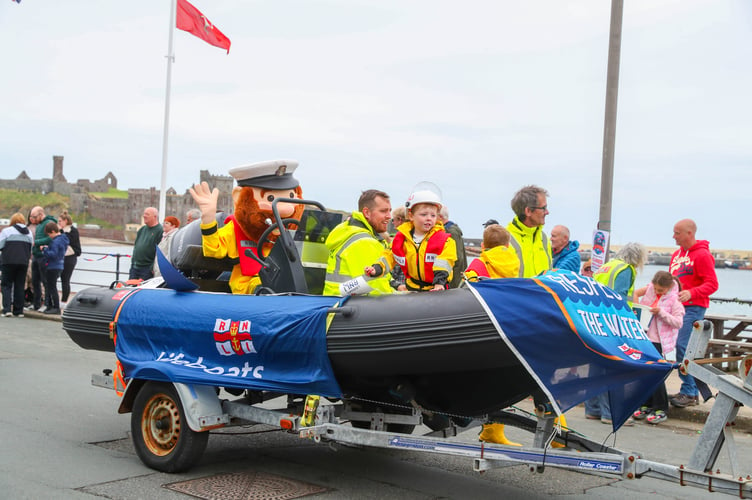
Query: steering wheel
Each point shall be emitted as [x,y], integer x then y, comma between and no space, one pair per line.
[264,238]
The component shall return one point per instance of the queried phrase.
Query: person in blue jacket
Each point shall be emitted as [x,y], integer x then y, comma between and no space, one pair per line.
[54,261]
[565,252]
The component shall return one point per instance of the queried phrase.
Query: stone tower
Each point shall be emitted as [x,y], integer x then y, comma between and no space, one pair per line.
[57,169]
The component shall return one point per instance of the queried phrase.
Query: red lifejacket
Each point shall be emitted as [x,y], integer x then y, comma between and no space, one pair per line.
[479,267]
[434,245]
[248,266]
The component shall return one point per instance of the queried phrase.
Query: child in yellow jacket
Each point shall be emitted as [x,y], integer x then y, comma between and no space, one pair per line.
[421,247]
[497,259]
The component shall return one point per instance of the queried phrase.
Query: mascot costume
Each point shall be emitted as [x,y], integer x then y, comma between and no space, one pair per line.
[258,185]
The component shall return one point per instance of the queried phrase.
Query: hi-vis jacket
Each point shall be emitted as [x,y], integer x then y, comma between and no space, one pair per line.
[496,262]
[619,276]
[353,246]
[426,264]
[532,246]
[230,241]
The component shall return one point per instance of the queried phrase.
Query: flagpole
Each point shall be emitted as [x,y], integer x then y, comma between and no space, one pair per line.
[165,133]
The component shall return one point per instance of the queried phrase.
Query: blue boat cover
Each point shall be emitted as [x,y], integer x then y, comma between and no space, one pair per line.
[578,338]
[275,343]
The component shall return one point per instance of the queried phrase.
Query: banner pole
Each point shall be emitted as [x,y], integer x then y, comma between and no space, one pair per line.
[170,59]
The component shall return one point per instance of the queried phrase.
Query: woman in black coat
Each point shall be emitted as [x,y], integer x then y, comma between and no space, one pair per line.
[71,254]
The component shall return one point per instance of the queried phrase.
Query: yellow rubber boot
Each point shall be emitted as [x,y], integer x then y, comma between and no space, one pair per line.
[563,420]
[494,433]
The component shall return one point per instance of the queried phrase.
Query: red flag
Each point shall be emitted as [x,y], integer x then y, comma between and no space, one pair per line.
[191,20]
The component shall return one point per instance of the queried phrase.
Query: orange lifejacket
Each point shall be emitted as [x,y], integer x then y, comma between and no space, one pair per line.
[434,245]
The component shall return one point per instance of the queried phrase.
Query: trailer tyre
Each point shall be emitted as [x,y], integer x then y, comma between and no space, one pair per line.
[161,435]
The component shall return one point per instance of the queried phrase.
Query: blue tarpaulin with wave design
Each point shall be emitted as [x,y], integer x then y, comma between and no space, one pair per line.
[578,338]
[263,343]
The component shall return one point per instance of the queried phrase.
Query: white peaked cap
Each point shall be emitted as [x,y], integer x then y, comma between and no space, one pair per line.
[272,174]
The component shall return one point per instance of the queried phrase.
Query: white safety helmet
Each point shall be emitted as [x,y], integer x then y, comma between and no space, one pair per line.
[424,192]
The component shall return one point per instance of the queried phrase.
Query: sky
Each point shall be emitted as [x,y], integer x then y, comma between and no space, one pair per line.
[479,97]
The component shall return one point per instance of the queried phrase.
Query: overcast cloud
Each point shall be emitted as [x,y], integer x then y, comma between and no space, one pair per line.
[480,97]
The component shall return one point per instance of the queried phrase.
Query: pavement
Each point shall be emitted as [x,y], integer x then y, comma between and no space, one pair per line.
[63,438]
[700,412]
[694,414]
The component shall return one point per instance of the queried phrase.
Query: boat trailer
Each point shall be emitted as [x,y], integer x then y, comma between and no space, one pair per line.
[160,409]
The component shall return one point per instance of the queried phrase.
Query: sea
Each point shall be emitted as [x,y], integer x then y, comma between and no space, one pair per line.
[97,266]
[101,266]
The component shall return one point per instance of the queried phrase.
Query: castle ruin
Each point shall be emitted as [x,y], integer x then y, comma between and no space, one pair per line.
[117,211]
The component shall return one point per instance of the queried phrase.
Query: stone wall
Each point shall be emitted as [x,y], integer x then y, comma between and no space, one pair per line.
[102,234]
[100,186]
[43,186]
[113,210]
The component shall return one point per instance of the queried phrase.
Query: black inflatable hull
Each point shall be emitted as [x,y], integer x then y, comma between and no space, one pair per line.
[440,350]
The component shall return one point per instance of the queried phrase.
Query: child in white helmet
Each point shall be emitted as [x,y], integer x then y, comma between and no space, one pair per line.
[421,247]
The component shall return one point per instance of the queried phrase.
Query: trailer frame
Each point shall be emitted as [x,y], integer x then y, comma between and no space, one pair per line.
[338,422]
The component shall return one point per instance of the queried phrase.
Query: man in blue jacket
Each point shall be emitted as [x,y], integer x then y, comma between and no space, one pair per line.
[564,252]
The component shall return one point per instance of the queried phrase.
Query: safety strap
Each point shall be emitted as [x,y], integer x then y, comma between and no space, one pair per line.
[118,377]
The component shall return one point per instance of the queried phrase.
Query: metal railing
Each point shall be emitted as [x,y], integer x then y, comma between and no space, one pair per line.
[116,273]
[734,300]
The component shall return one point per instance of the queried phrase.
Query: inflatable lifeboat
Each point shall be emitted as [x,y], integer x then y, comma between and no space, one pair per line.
[464,352]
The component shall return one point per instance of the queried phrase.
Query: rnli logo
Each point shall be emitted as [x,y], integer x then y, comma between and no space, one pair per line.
[630,351]
[233,337]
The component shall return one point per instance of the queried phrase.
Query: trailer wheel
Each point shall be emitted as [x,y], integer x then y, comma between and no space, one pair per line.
[161,435]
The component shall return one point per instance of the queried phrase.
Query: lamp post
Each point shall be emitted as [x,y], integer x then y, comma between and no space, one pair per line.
[609,125]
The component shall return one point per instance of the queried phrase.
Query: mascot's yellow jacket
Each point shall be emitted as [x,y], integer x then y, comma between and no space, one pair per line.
[221,243]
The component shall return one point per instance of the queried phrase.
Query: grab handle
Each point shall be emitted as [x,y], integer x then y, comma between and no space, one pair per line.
[344,311]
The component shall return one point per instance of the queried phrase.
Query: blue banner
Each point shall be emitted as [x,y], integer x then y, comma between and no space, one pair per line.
[577,337]
[275,343]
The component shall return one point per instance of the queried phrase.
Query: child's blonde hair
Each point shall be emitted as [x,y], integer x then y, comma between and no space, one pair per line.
[415,207]
[495,235]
